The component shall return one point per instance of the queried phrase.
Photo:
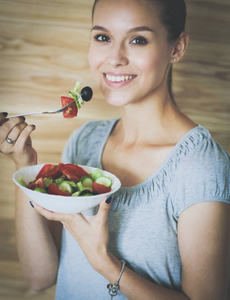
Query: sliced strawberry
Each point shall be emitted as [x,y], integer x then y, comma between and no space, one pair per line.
[99,188]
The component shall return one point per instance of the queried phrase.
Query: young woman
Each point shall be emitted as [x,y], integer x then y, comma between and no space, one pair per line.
[166,233]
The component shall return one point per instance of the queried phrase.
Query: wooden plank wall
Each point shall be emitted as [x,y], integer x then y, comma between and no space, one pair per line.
[43,51]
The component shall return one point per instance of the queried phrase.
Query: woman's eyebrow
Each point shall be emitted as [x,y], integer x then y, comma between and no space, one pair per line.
[135,29]
[141,28]
[96,27]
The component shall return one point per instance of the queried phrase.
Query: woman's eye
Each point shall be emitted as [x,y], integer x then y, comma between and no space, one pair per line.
[139,41]
[102,38]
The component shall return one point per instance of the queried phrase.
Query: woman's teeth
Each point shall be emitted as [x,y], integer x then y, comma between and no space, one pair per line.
[119,78]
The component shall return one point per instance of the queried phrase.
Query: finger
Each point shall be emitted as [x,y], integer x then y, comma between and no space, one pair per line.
[7,126]
[77,218]
[24,137]
[15,121]
[102,214]
[15,133]
[50,215]
[3,116]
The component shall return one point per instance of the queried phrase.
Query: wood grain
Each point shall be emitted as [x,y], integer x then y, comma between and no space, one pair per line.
[43,51]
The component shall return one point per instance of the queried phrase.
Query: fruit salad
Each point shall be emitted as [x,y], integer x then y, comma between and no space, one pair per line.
[69,180]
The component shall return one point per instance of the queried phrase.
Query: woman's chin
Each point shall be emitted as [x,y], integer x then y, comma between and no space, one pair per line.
[117,99]
[116,102]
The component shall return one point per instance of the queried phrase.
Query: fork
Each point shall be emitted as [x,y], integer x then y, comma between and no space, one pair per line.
[86,95]
[43,112]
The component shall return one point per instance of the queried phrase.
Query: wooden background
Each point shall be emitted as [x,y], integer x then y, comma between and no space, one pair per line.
[43,51]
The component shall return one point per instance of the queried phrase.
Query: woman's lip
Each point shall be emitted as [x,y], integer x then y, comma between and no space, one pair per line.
[118,79]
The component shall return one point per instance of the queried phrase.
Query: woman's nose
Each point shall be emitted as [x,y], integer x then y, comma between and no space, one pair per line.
[117,56]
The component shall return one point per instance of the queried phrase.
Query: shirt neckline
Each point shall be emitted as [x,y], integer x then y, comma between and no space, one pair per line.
[110,128]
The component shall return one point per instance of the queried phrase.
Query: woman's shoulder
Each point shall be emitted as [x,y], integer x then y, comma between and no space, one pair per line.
[92,127]
[200,149]
[202,171]
[198,165]
[91,130]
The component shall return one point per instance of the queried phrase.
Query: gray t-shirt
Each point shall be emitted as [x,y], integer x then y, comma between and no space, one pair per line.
[143,219]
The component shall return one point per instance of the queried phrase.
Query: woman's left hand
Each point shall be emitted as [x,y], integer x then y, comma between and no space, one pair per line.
[91,232]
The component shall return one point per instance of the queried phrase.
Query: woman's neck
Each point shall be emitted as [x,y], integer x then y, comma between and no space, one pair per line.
[158,122]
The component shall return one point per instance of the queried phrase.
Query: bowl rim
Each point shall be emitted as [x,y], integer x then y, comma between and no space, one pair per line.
[114,178]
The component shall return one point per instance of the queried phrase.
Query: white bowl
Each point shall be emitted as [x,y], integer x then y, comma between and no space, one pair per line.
[63,204]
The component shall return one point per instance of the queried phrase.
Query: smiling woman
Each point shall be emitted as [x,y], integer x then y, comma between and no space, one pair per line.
[174,199]
[161,189]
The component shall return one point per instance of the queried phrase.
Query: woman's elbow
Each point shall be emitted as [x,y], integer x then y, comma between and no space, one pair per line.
[40,283]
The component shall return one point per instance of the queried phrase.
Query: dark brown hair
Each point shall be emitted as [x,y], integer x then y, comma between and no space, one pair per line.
[173,17]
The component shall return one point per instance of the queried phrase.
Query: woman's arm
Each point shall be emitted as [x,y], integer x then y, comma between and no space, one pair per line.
[37,240]
[204,242]
[133,286]
[38,244]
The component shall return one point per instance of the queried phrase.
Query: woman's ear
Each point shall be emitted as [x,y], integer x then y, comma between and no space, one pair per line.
[179,47]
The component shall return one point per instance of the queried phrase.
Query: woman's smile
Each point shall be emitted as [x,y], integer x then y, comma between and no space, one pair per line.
[115,80]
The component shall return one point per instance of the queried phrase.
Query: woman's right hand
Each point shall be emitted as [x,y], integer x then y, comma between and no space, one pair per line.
[17,131]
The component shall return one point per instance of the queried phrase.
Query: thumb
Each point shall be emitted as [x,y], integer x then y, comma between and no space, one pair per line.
[104,209]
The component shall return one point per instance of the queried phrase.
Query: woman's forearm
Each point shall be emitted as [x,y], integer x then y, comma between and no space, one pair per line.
[133,286]
[37,251]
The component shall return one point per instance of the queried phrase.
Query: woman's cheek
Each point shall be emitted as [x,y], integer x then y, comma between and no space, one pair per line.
[94,63]
[90,55]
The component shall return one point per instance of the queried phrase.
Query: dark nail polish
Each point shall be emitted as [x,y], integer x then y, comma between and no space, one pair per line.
[23,118]
[5,114]
[31,204]
[108,200]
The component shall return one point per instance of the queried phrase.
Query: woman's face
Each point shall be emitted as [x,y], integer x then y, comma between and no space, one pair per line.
[129,54]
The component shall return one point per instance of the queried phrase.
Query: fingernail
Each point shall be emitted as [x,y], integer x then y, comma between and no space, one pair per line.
[31,204]
[5,114]
[108,200]
[34,126]
[23,118]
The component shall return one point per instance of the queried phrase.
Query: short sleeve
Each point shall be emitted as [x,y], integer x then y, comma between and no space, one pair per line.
[202,175]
